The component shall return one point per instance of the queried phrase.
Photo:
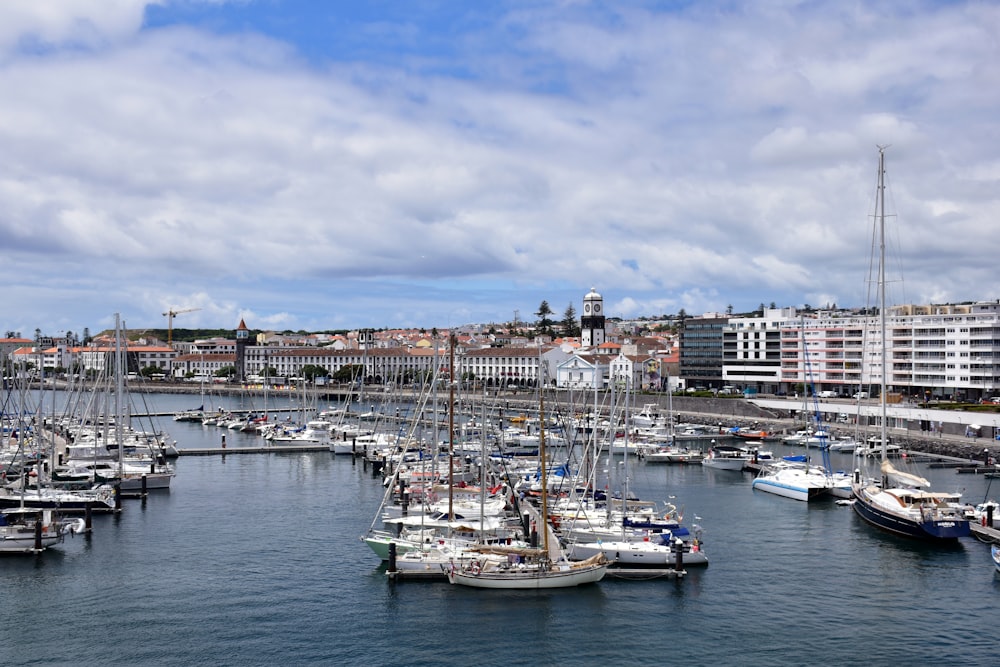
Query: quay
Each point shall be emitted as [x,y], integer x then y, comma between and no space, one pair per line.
[217,451]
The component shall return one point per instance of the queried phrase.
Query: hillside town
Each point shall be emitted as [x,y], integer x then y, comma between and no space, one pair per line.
[938,352]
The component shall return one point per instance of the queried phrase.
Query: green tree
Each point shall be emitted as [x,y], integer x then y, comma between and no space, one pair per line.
[312,371]
[570,327]
[544,324]
[347,373]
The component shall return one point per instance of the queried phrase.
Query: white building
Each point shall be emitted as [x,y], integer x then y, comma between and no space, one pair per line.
[936,350]
[582,372]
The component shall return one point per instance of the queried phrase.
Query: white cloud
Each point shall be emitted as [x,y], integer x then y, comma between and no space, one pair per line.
[689,159]
[75,23]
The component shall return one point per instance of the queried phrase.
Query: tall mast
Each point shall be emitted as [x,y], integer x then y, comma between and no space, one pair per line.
[881,293]
[119,388]
[451,428]
[541,459]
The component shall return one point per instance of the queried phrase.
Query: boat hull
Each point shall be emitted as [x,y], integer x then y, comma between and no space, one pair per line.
[65,503]
[529,578]
[785,490]
[929,530]
[153,481]
[20,539]
[638,554]
[724,463]
[675,457]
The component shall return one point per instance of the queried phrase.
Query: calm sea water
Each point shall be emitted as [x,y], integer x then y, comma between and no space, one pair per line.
[256,559]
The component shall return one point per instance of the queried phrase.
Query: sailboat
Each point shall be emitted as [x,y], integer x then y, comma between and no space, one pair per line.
[30,530]
[901,502]
[630,539]
[529,568]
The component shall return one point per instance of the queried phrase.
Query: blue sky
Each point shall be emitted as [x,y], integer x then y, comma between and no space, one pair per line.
[329,165]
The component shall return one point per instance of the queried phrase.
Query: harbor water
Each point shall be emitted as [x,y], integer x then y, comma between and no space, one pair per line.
[255,559]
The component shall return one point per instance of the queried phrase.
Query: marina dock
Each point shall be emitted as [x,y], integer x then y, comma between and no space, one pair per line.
[985,533]
[220,451]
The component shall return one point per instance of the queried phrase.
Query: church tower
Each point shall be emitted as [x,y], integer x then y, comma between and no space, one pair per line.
[242,338]
[592,322]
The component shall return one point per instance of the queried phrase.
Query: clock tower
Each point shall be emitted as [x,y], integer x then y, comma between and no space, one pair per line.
[592,322]
[242,338]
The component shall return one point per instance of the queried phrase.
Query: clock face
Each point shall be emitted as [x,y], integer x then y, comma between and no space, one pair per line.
[597,307]
[586,308]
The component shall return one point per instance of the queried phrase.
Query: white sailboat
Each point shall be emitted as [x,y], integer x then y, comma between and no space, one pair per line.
[628,539]
[520,568]
[900,502]
[26,530]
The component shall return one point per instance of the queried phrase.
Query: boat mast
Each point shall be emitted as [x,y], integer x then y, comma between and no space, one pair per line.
[541,457]
[881,293]
[119,389]
[451,427]
[626,419]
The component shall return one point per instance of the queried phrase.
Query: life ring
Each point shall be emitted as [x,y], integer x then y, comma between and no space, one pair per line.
[475,567]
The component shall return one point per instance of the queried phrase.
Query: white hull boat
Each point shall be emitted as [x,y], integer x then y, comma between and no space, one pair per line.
[728,458]
[640,554]
[513,575]
[24,530]
[793,482]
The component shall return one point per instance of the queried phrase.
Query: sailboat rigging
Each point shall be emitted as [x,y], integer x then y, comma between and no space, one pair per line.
[528,568]
[900,502]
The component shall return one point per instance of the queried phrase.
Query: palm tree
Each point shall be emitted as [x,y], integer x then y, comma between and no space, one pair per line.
[544,323]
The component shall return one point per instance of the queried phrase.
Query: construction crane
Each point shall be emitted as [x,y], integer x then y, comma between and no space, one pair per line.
[170,314]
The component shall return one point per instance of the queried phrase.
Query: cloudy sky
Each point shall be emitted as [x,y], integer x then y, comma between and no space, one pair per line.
[326,165]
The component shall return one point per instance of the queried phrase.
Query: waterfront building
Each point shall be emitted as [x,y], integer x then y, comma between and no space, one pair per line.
[8,346]
[97,356]
[935,351]
[701,359]
[583,372]
[630,370]
[752,350]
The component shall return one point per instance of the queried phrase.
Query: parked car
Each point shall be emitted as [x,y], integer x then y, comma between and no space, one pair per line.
[861,394]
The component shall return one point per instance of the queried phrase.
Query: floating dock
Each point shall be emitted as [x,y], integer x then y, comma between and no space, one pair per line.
[219,451]
[644,573]
[985,533]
